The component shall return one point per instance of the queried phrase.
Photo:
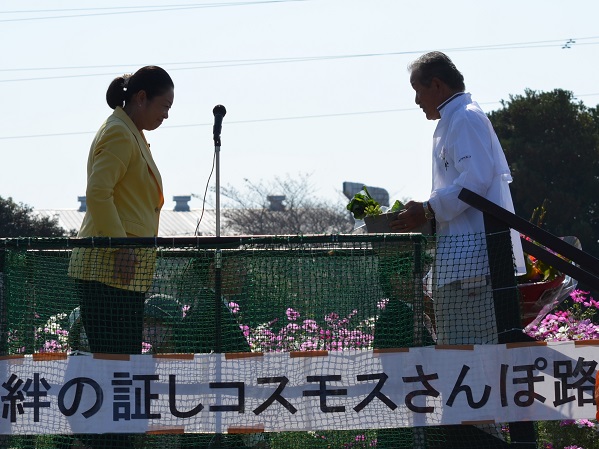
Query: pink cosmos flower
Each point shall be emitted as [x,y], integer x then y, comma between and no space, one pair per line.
[292,315]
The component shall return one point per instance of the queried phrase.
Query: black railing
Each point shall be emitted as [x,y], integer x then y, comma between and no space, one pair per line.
[566,258]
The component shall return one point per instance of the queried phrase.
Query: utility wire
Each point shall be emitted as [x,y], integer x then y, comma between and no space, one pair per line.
[111,8]
[200,65]
[137,10]
[194,125]
[272,119]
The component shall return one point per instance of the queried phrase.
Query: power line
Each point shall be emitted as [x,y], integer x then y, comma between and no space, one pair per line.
[111,8]
[201,65]
[194,125]
[217,61]
[135,9]
[272,119]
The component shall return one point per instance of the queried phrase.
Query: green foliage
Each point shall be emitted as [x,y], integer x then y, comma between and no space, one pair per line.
[551,142]
[363,204]
[17,220]
[580,433]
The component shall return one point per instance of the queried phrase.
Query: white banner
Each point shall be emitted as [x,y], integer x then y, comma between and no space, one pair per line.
[54,394]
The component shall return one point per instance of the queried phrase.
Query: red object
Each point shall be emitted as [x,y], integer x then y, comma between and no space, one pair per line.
[530,294]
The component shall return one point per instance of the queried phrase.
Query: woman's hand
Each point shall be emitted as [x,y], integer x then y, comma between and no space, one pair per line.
[125,262]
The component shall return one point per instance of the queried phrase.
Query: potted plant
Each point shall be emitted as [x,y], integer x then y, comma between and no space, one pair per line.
[364,207]
[542,286]
[536,287]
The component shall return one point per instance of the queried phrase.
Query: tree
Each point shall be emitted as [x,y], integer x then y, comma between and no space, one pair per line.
[17,220]
[551,142]
[284,206]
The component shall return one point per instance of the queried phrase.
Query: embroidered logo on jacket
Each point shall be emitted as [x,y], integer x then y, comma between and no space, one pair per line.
[442,153]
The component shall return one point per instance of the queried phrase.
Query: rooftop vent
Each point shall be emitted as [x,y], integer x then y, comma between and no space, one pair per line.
[82,204]
[181,203]
[276,202]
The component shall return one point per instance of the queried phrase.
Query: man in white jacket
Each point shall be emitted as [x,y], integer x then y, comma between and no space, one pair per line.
[466,153]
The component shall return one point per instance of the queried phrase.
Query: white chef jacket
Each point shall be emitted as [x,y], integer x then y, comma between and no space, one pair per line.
[467,153]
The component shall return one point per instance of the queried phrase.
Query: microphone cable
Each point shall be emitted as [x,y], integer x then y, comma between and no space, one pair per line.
[196,233]
[219,113]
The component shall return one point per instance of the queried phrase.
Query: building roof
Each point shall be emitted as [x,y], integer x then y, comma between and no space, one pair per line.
[172,223]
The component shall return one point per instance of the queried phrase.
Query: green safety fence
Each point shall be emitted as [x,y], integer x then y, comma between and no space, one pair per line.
[249,294]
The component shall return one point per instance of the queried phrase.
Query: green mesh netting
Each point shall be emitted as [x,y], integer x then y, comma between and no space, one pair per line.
[204,296]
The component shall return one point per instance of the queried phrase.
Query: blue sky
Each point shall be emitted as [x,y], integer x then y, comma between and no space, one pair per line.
[314,87]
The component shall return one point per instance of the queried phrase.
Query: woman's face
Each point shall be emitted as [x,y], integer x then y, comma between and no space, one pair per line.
[155,111]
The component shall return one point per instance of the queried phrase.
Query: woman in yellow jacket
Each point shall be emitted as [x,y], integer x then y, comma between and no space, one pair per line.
[124,197]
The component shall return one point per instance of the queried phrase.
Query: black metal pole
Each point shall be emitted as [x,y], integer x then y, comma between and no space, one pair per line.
[3,307]
[507,309]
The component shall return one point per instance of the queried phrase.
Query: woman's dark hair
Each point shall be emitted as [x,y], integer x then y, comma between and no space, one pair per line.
[152,79]
[437,65]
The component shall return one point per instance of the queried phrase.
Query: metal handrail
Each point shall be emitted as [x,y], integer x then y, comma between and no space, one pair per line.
[565,257]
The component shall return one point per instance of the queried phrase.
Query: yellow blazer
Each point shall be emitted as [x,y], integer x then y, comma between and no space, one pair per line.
[124,198]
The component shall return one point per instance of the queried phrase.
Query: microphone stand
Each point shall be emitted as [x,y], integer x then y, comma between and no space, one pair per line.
[217,158]
[219,112]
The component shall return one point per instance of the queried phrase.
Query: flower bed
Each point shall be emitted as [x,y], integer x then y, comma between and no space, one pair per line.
[574,322]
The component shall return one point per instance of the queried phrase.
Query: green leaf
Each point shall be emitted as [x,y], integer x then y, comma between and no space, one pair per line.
[363,204]
[397,206]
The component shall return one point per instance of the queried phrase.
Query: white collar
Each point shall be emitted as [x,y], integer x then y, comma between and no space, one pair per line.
[442,105]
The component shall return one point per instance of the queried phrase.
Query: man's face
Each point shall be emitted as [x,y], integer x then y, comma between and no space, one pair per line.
[427,97]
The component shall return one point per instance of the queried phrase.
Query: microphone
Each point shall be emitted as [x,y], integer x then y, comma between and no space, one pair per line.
[219,112]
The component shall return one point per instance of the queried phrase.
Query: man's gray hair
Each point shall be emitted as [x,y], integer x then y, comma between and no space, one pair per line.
[437,65]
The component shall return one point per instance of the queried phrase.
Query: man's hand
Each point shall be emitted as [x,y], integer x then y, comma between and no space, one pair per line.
[409,218]
[125,262]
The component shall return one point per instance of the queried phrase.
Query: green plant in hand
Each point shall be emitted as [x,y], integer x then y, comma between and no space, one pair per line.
[397,206]
[373,210]
[363,204]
